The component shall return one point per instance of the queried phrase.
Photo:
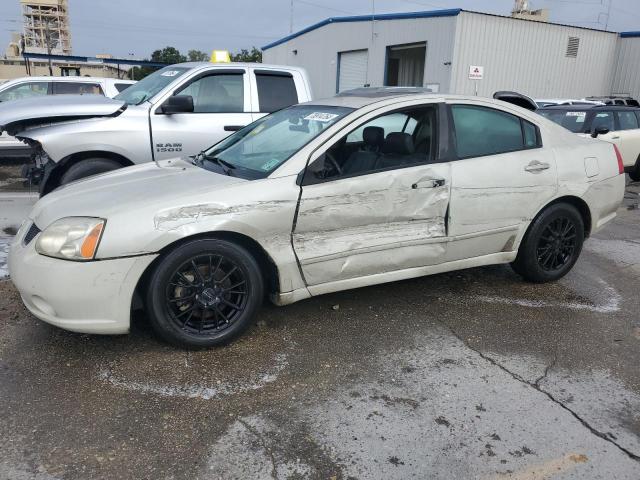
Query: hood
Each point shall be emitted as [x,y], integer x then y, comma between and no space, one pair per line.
[17,115]
[141,187]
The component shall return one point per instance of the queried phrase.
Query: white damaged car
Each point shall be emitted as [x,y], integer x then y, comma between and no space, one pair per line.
[370,186]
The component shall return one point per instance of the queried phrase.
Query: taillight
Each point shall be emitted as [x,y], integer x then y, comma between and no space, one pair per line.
[620,162]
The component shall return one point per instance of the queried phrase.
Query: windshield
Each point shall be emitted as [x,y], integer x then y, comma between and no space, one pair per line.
[260,148]
[150,85]
[573,120]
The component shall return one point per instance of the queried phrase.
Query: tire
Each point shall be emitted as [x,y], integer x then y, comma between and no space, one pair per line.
[204,293]
[552,244]
[635,173]
[86,168]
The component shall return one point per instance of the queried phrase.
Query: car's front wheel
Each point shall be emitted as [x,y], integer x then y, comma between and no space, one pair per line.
[552,244]
[204,293]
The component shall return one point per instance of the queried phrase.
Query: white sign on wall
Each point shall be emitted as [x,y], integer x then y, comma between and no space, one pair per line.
[476,72]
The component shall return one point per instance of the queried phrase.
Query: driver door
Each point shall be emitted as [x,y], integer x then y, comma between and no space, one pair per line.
[221,106]
[375,201]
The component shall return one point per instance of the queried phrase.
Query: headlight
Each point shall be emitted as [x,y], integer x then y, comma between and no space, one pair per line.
[71,238]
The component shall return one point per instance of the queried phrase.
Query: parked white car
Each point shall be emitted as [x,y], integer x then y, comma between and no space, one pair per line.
[33,87]
[614,124]
[178,110]
[313,199]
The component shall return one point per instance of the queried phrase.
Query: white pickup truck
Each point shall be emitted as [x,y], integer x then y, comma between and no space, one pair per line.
[177,111]
[29,87]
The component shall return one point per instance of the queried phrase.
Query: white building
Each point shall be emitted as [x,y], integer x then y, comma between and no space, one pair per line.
[437,50]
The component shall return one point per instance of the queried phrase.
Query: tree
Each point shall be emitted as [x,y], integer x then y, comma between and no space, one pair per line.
[254,56]
[168,55]
[197,56]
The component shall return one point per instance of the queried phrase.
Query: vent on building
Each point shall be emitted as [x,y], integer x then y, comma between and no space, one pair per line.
[572,47]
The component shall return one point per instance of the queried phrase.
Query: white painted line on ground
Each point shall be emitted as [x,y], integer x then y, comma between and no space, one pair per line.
[198,391]
[611,305]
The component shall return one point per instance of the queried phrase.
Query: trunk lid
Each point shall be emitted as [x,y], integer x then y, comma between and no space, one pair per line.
[18,115]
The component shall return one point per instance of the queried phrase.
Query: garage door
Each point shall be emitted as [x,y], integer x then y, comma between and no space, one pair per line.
[352,71]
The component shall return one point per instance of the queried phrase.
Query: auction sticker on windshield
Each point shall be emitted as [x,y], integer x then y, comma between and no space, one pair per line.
[170,73]
[321,116]
[581,116]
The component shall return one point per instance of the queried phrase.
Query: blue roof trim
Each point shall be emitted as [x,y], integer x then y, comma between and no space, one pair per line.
[452,12]
[630,34]
[76,58]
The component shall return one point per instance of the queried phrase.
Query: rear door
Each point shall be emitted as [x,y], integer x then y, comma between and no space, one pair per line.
[221,106]
[375,207]
[502,177]
[628,134]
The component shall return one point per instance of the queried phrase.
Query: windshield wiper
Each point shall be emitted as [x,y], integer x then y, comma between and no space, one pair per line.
[226,166]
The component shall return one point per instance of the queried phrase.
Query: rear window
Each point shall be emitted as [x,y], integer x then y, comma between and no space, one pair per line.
[76,88]
[275,91]
[573,120]
[122,86]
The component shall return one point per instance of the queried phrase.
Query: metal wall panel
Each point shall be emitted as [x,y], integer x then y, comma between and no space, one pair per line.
[627,71]
[530,57]
[317,50]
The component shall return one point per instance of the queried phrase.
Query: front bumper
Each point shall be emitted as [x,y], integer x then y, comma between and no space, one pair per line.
[86,297]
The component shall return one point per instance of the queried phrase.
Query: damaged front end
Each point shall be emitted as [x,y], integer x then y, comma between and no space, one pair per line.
[38,170]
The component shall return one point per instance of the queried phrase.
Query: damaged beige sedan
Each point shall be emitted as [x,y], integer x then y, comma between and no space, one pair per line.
[370,186]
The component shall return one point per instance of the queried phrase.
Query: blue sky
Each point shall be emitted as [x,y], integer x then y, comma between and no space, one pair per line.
[124,27]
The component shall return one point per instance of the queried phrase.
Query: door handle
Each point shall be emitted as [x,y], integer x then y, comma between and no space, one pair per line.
[615,137]
[431,183]
[233,128]
[537,167]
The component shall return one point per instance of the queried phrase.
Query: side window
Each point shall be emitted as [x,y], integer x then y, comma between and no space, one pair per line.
[275,91]
[218,93]
[603,119]
[619,102]
[24,90]
[76,88]
[396,140]
[484,131]
[120,87]
[396,122]
[633,103]
[627,120]
[531,139]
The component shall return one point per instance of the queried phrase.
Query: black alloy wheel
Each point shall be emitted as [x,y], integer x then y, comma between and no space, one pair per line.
[552,244]
[204,293]
[207,293]
[557,244]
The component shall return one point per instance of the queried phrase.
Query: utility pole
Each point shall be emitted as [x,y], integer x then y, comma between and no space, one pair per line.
[291,18]
[47,39]
[606,25]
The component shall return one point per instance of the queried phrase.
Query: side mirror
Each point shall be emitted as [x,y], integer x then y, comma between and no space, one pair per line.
[178,104]
[599,131]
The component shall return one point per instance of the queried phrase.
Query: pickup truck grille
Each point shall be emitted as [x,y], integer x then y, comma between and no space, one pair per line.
[31,234]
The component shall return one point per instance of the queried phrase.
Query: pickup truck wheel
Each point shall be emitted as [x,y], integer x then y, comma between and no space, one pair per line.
[88,167]
[635,173]
[552,244]
[204,293]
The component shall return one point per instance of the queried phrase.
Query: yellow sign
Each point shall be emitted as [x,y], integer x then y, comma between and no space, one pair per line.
[220,56]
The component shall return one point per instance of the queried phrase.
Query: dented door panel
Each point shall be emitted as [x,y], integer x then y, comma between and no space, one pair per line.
[375,223]
[496,194]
